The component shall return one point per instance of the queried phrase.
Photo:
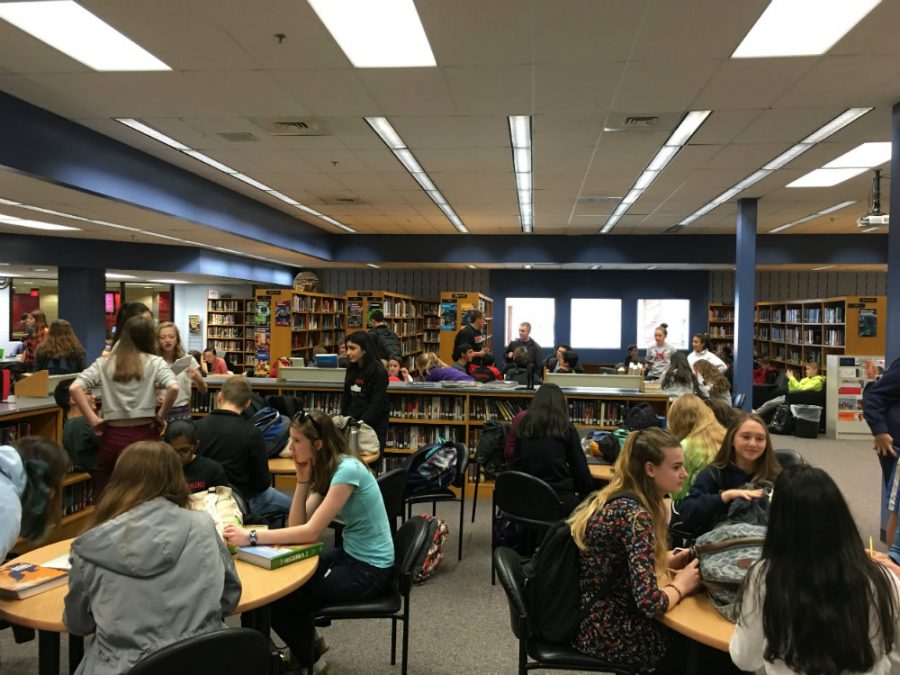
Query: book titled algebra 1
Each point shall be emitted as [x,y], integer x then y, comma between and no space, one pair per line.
[273,557]
[20,580]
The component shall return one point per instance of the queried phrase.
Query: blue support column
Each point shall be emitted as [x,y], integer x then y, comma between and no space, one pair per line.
[892,335]
[744,299]
[81,303]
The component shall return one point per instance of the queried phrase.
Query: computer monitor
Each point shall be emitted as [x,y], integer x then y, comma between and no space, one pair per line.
[326,360]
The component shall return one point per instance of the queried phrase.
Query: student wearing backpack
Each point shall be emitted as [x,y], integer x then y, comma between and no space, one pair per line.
[815,602]
[746,456]
[624,579]
[365,385]
[332,483]
[384,340]
[547,446]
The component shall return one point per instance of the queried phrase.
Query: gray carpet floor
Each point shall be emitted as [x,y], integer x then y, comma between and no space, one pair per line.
[460,623]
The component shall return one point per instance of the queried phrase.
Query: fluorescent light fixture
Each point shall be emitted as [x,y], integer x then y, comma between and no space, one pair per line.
[67,26]
[35,224]
[825,178]
[595,267]
[384,34]
[528,266]
[863,156]
[471,267]
[167,281]
[520,140]
[871,229]
[653,267]
[820,134]
[224,168]
[677,140]
[40,269]
[823,267]
[801,27]
[114,275]
[813,216]
[390,137]
[373,266]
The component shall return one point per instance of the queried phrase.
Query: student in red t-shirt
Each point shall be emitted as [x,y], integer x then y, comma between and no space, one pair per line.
[215,365]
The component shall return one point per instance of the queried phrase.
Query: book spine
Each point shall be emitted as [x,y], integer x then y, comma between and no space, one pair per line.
[303,554]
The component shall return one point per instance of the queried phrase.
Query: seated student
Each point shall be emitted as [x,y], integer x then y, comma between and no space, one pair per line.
[462,357]
[556,362]
[397,372]
[699,433]
[198,358]
[765,372]
[746,456]
[215,365]
[712,383]
[331,482]
[812,382]
[624,577]
[236,444]
[632,359]
[569,363]
[815,602]
[343,361]
[31,476]
[200,473]
[432,369]
[546,445]
[150,572]
[78,439]
[727,415]
[486,371]
[679,378]
[523,367]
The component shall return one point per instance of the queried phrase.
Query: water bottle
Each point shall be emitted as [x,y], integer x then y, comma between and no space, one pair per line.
[354,438]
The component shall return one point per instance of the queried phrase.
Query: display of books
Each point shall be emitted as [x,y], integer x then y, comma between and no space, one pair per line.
[274,557]
[22,580]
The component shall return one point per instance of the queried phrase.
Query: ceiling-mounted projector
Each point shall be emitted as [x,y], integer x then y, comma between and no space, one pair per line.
[873,220]
[874,217]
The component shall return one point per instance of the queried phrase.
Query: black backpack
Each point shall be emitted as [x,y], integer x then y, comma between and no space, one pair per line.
[608,444]
[783,421]
[552,592]
[489,451]
[387,344]
[481,373]
[641,416]
[433,468]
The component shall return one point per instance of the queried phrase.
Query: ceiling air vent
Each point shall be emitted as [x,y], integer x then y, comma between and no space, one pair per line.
[641,121]
[239,136]
[287,126]
[636,123]
[339,200]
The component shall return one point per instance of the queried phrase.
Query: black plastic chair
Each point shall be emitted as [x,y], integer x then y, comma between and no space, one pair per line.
[737,400]
[230,650]
[393,493]
[789,457]
[408,544]
[544,655]
[527,501]
[447,495]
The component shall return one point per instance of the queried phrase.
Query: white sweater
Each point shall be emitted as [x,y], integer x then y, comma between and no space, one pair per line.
[127,400]
[748,643]
[707,355]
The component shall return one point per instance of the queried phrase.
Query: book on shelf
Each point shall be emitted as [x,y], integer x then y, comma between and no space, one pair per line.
[275,557]
[22,580]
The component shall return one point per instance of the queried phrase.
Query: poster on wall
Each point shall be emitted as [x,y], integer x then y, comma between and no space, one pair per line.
[194,324]
[354,314]
[868,323]
[261,348]
[283,313]
[262,312]
[448,315]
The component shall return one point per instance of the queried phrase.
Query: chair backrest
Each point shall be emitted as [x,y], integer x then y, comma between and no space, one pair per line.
[508,565]
[788,457]
[393,488]
[411,538]
[526,499]
[230,650]
[737,401]
[462,463]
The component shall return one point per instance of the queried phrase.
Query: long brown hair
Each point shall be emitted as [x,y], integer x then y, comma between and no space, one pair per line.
[178,352]
[45,465]
[767,466]
[715,381]
[630,476]
[317,426]
[61,341]
[137,339]
[145,470]
[40,319]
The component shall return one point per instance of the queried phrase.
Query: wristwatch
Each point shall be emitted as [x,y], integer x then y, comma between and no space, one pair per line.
[253,537]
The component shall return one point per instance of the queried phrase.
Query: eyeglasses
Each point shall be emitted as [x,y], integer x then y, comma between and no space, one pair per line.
[302,416]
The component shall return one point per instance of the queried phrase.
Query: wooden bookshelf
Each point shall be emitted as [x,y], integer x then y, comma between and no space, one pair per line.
[297,323]
[432,328]
[720,326]
[403,314]
[454,309]
[229,329]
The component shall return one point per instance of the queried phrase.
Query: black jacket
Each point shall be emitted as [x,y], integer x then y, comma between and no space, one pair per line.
[365,398]
[239,447]
[558,462]
[532,348]
[703,505]
[387,344]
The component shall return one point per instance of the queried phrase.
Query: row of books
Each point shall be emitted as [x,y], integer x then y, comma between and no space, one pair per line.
[417,407]
[220,332]
[10,433]
[229,306]
[717,314]
[495,409]
[77,496]
[226,345]
[414,437]
[304,303]
[601,413]
[227,320]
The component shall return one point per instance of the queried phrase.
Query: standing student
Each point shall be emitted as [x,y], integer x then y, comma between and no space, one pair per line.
[695,426]
[384,341]
[151,571]
[331,483]
[746,456]
[127,311]
[129,378]
[532,348]
[215,365]
[472,334]
[547,446]
[200,473]
[36,333]
[679,378]
[700,352]
[365,386]
[659,354]
[881,409]
[60,353]
[815,602]
[625,577]
[169,344]
[31,475]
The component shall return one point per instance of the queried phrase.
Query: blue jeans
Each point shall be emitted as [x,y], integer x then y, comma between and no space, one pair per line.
[270,500]
[338,578]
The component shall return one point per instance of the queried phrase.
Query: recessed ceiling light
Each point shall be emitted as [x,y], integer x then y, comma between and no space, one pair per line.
[528,266]
[67,26]
[471,267]
[113,275]
[373,266]
[825,178]
[40,269]
[34,224]
[792,28]
[813,216]
[167,281]
[823,267]
[871,229]
[850,164]
[383,34]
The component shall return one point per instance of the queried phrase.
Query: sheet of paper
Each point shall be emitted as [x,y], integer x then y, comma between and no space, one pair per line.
[60,563]
[182,364]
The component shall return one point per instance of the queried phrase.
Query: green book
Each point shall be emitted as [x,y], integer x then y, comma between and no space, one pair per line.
[274,557]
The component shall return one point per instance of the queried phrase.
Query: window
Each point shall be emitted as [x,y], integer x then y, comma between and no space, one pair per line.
[539,312]
[596,324]
[675,313]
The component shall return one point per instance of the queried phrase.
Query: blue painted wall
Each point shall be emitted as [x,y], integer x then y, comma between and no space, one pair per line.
[627,285]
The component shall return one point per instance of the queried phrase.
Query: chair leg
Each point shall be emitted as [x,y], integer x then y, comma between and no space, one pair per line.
[493,541]
[475,498]
[523,658]
[404,657]
[462,520]
[433,509]
[394,640]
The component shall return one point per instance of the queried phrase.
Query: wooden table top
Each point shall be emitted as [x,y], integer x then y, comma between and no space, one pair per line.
[695,617]
[281,466]
[259,587]
[601,471]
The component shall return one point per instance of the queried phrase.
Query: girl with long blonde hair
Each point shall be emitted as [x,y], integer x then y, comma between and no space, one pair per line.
[695,426]
[624,577]
[168,344]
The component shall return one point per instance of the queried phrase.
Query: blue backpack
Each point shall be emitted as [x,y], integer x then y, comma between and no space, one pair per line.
[432,467]
[275,429]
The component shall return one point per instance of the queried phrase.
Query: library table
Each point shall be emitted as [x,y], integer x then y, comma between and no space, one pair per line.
[602,472]
[695,617]
[44,611]
[283,471]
